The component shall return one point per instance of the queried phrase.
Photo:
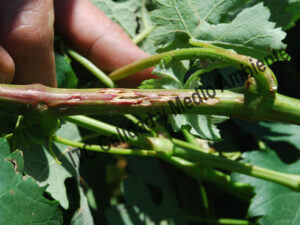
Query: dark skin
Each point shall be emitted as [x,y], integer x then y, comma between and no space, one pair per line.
[27,35]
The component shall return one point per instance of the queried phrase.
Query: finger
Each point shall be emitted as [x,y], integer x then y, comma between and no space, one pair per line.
[27,34]
[97,37]
[7,67]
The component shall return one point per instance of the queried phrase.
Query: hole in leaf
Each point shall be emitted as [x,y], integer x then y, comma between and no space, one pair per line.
[285,151]
[156,194]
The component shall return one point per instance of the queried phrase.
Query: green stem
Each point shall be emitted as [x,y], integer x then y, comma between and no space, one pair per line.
[204,198]
[202,71]
[141,36]
[107,129]
[196,171]
[189,137]
[166,148]
[221,221]
[92,68]
[92,124]
[266,81]
[192,140]
[9,137]
[50,147]
[17,128]
[191,153]
[137,122]
[240,190]
[285,106]
[98,148]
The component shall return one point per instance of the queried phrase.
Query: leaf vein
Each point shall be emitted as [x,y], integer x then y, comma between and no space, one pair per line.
[181,18]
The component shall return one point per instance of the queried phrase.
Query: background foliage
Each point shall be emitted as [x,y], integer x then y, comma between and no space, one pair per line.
[108,189]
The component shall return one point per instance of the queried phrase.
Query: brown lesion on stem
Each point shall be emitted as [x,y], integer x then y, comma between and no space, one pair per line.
[28,99]
[31,99]
[41,107]
[42,97]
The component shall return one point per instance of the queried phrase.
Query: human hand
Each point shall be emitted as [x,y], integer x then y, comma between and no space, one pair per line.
[27,36]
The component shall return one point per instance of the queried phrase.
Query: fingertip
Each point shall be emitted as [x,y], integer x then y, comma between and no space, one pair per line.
[95,35]
[99,39]
[28,37]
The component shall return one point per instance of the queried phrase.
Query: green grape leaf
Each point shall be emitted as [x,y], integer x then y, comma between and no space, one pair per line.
[200,125]
[283,12]
[22,201]
[176,71]
[122,13]
[274,132]
[283,132]
[36,129]
[83,215]
[4,147]
[163,82]
[215,12]
[173,74]
[275,203]
[40,164]
[144,20]
[18,159]
[249,33]
[140,205]
[133,16]
[65,76]
[148,45]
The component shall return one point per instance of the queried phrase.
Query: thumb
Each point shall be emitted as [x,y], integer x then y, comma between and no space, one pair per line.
[7,67]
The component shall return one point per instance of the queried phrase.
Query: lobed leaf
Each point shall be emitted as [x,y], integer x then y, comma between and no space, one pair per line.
[249,33]
[284,13]
[65,76]
[40,164]
[173,74]
[274,132]
[141,206]
[83,215]
[275,203]
[22,201]
[122,13]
